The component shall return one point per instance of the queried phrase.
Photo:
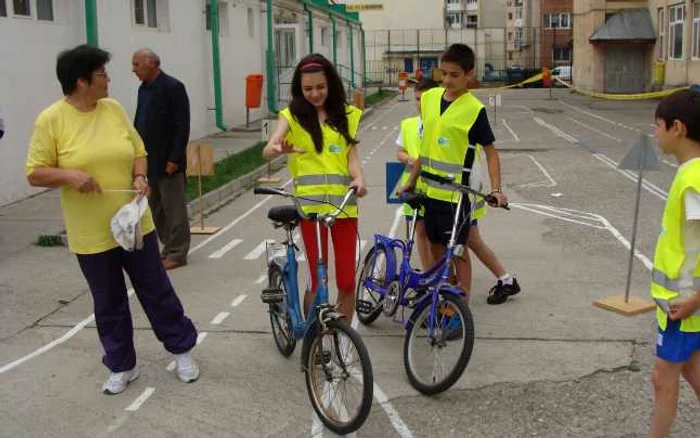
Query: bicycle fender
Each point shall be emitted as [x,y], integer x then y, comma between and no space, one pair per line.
[387,244]
[426,300]
[309,336]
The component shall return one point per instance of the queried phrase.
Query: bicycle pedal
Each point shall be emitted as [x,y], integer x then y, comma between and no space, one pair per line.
[363,306]
[272,295]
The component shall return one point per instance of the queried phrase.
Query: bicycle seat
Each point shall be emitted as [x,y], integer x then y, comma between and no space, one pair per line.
[415,200]
[284,214]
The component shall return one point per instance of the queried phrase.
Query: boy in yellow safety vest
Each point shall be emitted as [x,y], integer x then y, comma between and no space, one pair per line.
[409,143]
[675,282]
[455,128]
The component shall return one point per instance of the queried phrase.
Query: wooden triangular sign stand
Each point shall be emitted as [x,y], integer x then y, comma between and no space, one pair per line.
[200,161]
[641,157]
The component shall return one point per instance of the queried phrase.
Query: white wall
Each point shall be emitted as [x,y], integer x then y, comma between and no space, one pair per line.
[28,83]
[28,49]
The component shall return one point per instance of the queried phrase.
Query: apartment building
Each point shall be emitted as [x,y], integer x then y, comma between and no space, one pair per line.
[33,32]
[556,37]
[636,46]
[523,33]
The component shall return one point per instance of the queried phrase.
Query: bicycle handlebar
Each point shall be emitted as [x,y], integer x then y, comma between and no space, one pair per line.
[326,218]
[461,187]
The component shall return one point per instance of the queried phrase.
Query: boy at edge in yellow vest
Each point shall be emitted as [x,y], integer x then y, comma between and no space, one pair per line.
[318,133]
[455,123]
[409,143]
[675,282]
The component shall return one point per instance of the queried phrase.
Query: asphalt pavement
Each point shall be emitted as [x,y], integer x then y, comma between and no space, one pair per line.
[547,363]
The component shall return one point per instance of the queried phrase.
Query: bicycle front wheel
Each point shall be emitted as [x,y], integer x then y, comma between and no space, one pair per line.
[280,321]
[435,362]
[339,378]
[368,303]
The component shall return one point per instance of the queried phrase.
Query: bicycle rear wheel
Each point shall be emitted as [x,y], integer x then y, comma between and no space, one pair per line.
[279,316]
[339,377]
[434,363]
[368,303]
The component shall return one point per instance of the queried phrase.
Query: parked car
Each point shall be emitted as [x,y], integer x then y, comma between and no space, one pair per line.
[563,72]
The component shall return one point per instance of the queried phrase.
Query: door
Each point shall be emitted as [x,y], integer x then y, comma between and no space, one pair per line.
[625,69]
[287,55]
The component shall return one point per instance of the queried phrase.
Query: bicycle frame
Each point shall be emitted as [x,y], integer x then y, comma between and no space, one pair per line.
[290,268]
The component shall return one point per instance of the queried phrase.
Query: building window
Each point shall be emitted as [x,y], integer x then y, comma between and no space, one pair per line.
[676,30]
[561,53]
[3,8]
[223,18]
[324,36]
[251,23]
[21,7]
[146,13]
[696,30]
[510,15]
[557,20]
[44,10]
[519,13]
[660,46]
[472,22]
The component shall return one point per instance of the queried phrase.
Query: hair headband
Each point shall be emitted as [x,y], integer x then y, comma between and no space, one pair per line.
[311,65]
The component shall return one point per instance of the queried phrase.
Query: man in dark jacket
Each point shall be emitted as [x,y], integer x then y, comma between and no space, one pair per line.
[163,121]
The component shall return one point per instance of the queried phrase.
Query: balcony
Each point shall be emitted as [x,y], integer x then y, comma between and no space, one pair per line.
[454,7]
[472,6]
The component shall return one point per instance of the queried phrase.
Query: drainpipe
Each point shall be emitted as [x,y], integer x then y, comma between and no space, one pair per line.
[216,63]
[352,56]
[91,22]
[270,63]
[335,41]
[364,57]
[310,20]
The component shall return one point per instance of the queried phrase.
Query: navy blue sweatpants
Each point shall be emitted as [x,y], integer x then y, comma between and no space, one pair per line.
[104,273]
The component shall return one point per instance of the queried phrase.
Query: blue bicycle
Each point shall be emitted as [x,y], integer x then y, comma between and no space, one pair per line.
[334,359]
[440,329]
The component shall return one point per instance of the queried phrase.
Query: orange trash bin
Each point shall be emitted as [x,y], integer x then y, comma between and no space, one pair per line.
[253,90]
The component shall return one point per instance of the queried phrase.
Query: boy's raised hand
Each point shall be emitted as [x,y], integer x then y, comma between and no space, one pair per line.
[682,309]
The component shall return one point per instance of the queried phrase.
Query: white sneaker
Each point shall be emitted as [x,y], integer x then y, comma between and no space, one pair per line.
[186,368]
[117,382]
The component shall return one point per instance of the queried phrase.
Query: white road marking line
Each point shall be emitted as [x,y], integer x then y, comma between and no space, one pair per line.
[171,366]
[384,128]
[556,131]
[316,426]
[374,128]
[515,137]
[224,249]
[69,334]
[526,108]
[648,186]
[602,223]
[200,337]
[257,251]
[392,413]
[550,183]
[133,407]
[239,299]
[380,117]
[261,279]
[599,117]
[218,319]
[597,131]
[557,195]
[669,163]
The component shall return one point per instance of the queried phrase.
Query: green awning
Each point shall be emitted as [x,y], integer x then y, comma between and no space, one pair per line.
[630,25]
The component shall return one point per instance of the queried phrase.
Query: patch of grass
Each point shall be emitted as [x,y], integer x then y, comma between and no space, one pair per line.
[227,170]
[379,97]
[47,240]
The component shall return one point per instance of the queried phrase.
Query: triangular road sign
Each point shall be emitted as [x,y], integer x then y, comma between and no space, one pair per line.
[641,157]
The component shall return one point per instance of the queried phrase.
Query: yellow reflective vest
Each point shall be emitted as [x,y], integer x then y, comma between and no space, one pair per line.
[410,138]
[669,257]
[322,177]
[445,141]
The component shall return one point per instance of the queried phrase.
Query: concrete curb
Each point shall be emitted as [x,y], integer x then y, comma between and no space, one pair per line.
[223,195]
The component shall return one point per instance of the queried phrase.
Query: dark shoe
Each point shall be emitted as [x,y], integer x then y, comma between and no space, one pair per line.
[500,292]
[169,264]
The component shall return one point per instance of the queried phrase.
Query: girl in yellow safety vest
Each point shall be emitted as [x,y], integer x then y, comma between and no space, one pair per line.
[318,131]
[675,283]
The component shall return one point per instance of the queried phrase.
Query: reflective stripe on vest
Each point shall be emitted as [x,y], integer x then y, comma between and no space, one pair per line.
[662,280]
[443,166]
[314,180]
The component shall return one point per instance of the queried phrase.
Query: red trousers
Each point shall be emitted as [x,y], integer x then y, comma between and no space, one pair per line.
[344,236]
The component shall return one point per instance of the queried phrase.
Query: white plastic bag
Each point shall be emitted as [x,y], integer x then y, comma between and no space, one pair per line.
[125,224]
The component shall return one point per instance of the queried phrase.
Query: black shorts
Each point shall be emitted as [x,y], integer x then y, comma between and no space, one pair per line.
[439,217]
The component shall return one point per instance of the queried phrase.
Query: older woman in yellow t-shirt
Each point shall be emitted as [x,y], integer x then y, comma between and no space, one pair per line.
[86,145]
